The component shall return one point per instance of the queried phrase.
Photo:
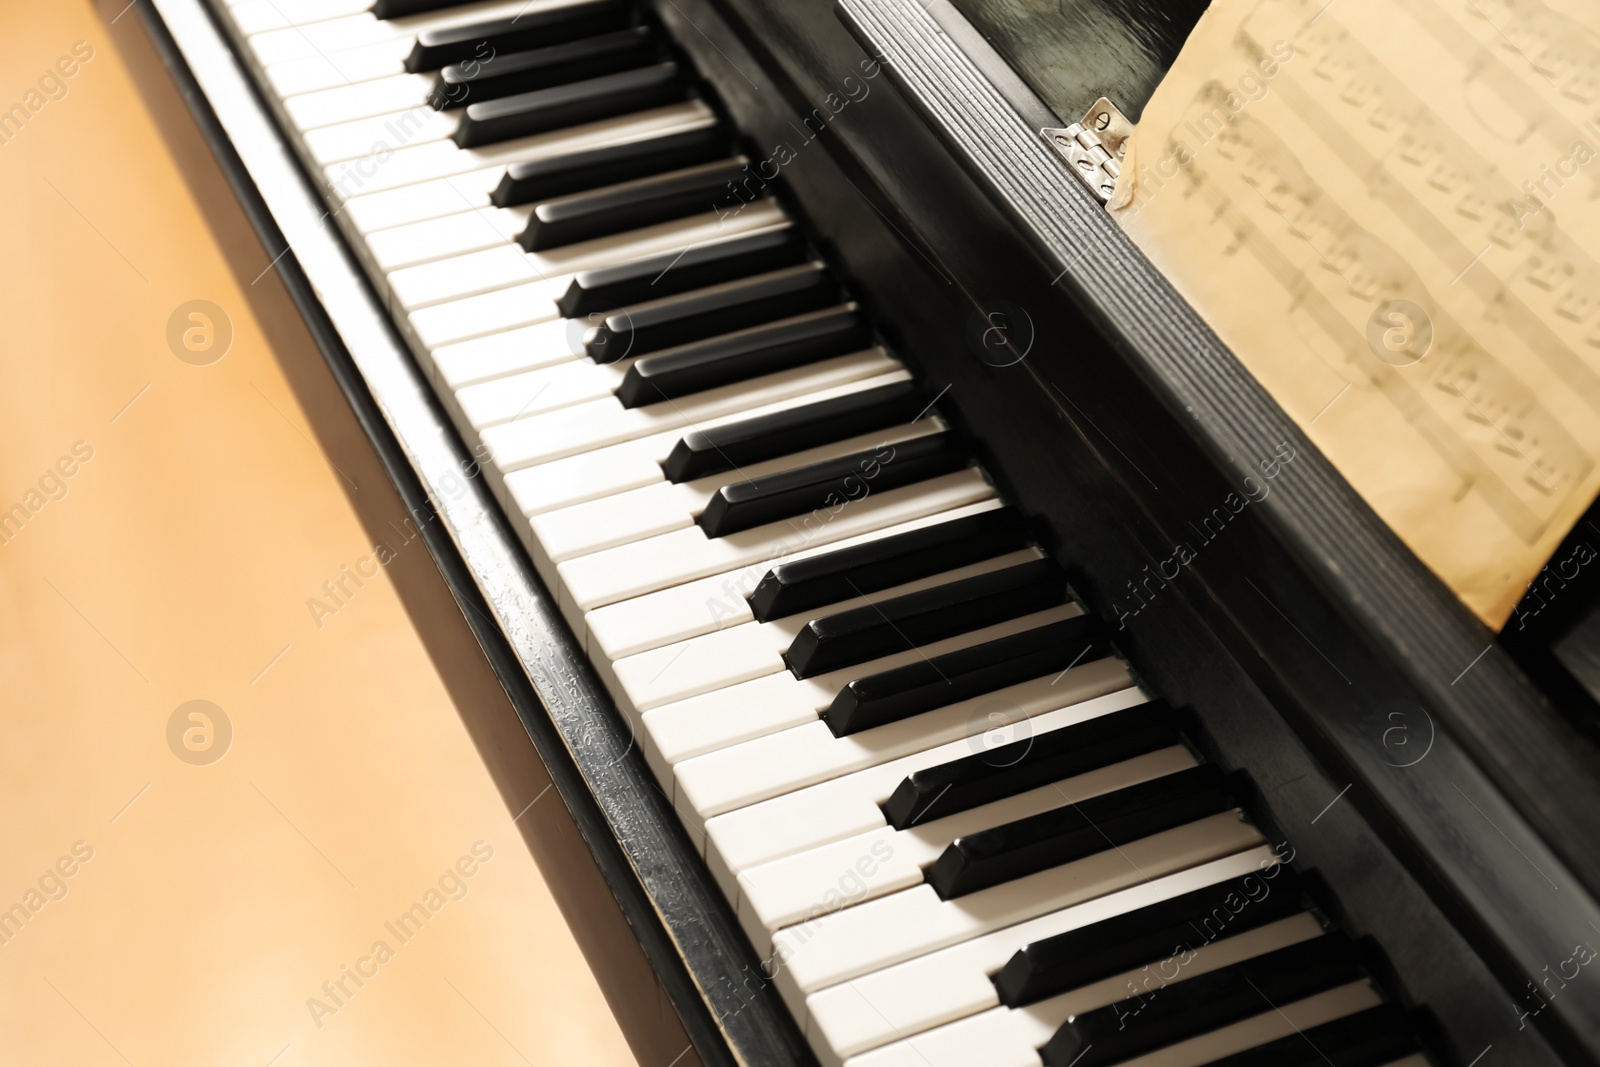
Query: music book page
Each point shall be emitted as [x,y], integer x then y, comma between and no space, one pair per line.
[1390,211]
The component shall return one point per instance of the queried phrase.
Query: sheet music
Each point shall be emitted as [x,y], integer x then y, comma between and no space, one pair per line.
[1390,211]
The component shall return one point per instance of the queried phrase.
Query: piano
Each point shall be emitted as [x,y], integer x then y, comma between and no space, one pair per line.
[804,445]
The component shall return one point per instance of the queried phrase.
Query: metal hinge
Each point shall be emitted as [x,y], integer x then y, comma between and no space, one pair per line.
[1094,147]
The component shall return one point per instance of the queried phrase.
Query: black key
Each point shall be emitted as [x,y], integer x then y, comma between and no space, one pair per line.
[744,354]
[696,267]
[486,40]
[899,624]
[1192,1006]
[1138,938]
[782,433]
[570,105]
[394,9]
[669,321]
[744,505]
[1062,835]
[1376,1037]
[629,205]
[591,168]
[1029,763]
[507,73]
[892,695]
[830,577]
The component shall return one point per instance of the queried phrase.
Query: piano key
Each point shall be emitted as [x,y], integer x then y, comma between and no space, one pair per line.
[809,583]
[982,777]
[499,268]
[380,60]
[498,354]
[556,175]
[889,625]
[451,235]
[397,165]
[1196,1005]
[736,445]
[745,505]
[845,805]
[572,104]
[1076,831]
[660,508]
[377,138]
[716,602]
[682,318]
[1011,1038]
[763,349]
[707,677]
[628,205]
[708,263]
[887,1006]
[494,74]
[584,427]
[1088,954]
[631,464]
[258,16]
[393,9]
[421,202]
[535,392]
[846,944]
[1376,1037]
[542,27]
[329,36]
[803,886]
[752,771]
[892,696]
[346,103]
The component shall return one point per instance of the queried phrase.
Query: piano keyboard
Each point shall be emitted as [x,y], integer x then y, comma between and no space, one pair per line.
[951,823]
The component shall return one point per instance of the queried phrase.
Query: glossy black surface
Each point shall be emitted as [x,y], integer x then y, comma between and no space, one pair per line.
[1072,52]
[745,505]
[896,694]
[1376,1037]
[679,271]
[1195,1005]
[899,624]
[830,577]
[723,448]
[744,354]
[505,74]
[531,29]
[1035,760]
[572,104]
[1076,831]
[1184,924]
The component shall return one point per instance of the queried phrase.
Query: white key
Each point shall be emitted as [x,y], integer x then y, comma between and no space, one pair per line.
[423,201]
[1005,1037]
[643,567]
[488,313]
[372,142]
[359,31]
[535,392]
[709,604]
[757,770]
[363,100]
[880,933]
[852,804]
[451,235]
[450,279]
[871,865]
[656,509]
[508,352]
[771,702]
[955,982]
[381,60]
[441,159]
[621,467]
[255,16]
[702,680]
[585,427]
